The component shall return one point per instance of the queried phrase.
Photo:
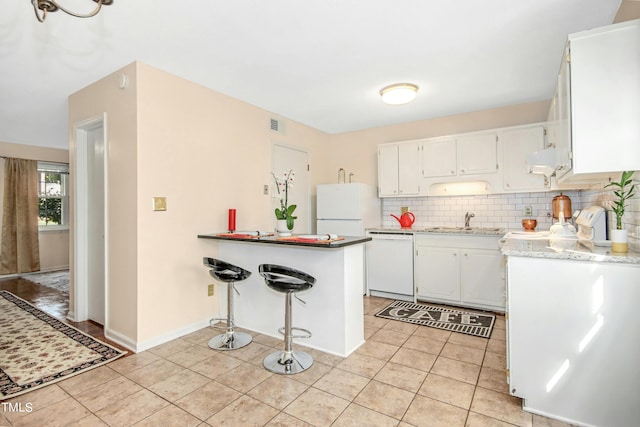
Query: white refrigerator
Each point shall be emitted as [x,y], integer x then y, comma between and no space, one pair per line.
[347,209]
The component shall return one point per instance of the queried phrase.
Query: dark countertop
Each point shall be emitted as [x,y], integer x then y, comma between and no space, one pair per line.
[275,240]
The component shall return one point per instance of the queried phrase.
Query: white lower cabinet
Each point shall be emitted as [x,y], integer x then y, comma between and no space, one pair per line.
[464,270]
[434,275]
[572,339]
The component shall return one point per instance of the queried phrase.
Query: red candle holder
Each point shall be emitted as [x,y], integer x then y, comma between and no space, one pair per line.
[232,220]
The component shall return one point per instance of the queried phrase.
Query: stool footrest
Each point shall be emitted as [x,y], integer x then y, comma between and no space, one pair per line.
[218,319]
[307,333]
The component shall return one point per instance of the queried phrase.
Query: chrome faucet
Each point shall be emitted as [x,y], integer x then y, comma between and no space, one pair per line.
[467,218]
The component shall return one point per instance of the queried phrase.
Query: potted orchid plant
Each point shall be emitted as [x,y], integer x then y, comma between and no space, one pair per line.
[285,211]
[624,190]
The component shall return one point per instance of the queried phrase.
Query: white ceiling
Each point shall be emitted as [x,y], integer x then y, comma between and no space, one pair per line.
[319,62]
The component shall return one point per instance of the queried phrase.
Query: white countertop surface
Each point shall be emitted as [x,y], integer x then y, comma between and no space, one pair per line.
[484,231]
[574,249]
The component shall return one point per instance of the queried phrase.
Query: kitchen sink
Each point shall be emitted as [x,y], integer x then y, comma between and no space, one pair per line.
[463,229]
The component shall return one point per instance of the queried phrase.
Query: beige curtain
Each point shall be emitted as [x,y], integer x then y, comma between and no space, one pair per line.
[20,249]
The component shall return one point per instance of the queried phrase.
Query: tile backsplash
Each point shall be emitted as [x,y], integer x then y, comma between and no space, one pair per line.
[494,210]
[507,210]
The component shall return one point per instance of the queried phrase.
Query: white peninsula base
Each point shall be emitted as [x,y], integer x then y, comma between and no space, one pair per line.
[334,306]
[573,339]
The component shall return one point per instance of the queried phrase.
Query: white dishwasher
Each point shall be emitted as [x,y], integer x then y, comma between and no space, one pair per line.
[390,264]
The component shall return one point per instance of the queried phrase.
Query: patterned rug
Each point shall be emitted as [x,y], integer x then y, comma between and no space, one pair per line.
[465,322]
[37,350]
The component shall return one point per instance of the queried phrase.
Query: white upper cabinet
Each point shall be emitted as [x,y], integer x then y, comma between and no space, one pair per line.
[398,172]
[439,157]
[473,154]
[601,75]
[477,153]
[517,144]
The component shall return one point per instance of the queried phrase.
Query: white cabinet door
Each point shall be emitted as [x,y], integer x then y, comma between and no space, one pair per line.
[477,154]
[601,84]
[462,269]
[439,157]
[408,169]
[572,345]
[481,277]
[563,112]
[605,99]
[438,273]
[388,170]
[398,171]
[517,144]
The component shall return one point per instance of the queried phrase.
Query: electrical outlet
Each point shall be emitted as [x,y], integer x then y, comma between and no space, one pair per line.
[528,211]
[210,290]
[265,190]
[404,209]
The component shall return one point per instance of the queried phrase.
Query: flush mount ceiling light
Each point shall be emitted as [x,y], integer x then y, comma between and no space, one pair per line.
[399,93]
[42,7]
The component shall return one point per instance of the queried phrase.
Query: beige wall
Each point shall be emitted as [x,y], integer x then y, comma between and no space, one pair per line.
[105,96]
[54,245]
[204,152]
[356,152]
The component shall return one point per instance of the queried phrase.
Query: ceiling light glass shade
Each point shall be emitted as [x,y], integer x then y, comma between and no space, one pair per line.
[41,7]
[399,93]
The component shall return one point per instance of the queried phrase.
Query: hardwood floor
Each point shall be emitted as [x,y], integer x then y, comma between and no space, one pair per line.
[52,302]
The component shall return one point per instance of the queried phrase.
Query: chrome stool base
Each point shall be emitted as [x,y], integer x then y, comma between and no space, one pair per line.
[230,341]
[294,363]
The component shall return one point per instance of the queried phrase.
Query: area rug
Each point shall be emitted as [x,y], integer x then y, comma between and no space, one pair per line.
[37,350]
[465,322]
[58,280]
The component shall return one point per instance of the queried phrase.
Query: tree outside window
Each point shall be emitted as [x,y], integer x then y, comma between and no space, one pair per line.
[52,189]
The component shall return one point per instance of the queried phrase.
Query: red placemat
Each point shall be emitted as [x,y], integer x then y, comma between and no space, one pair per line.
[306,240]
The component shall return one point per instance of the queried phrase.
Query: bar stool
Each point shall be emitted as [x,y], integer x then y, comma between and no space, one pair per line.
[288,281]
[229,274]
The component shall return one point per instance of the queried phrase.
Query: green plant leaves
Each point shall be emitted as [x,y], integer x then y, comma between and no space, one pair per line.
[623,194]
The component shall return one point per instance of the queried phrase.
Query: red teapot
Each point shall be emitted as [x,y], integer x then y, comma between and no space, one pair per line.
[406,220]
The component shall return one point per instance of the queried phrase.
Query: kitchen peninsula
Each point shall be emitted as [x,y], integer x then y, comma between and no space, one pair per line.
[333,311]
[572,331]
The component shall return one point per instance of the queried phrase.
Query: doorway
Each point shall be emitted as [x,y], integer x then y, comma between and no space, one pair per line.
[90,222]
[285,158]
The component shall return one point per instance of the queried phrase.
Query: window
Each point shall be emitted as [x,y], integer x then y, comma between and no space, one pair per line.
[53,200]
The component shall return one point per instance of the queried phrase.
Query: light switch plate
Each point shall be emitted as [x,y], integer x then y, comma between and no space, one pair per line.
[159,203]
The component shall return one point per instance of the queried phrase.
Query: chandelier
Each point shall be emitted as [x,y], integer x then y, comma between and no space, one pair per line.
[42,7]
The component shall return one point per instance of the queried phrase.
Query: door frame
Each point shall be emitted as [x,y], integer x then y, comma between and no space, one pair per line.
[310,216]
[80,224]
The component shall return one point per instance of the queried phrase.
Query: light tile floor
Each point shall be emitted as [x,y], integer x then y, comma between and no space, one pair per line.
[404,375]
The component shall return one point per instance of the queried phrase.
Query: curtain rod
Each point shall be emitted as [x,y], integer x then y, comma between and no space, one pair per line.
[44,161]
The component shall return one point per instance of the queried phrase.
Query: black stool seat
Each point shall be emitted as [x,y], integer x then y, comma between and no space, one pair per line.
[288,281]
[229,274]
[285,279]
[225,272]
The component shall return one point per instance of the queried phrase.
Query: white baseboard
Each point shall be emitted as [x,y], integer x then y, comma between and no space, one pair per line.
[138,347]
[120,339]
